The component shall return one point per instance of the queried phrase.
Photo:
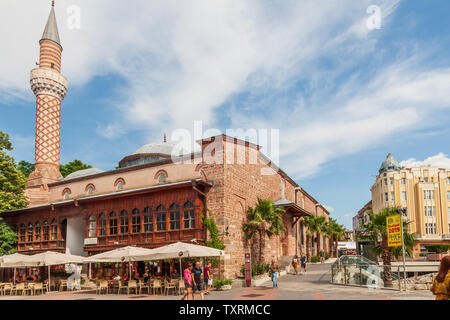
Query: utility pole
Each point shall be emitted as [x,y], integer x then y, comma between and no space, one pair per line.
[403,212]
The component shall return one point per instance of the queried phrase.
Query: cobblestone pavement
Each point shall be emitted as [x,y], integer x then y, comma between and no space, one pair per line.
[314,285]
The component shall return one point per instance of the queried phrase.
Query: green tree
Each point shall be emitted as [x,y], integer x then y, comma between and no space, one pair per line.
[8,239]
[334,231]
[316,227]
[12,180]
[264,220]
[73,166]
[376,227]
[26,168]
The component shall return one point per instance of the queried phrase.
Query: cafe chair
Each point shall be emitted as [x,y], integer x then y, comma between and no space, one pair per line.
[156,285]
[38,287]
[122,287]
[169,286]
[132,285]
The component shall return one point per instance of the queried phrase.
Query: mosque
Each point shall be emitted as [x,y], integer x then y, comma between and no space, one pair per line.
[151,199]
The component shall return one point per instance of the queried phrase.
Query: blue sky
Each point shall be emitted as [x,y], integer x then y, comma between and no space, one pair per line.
[342,96]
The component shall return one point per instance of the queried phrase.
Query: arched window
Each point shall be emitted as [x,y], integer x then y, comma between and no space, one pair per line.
[189,215]
[102,224]
[174,217]
[161,218]
[162,178]
[90,189]
[46,230]
[124,222]
[54,230]
[92,226]
[22,232]
[37,231]
[112,223]
[136,221]
[66,194]
[148,219]
[30,232]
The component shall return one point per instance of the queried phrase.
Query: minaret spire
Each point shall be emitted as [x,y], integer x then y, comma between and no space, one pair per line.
[51,29]
[50,88]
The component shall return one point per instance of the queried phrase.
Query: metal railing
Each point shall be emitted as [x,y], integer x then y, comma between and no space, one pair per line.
[372,275]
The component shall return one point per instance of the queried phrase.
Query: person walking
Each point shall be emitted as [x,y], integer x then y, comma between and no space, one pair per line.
[274,273]
[207,275]
[303,263]
[188,282]
[197,280]
[441,283]
[295,264]
[322,257]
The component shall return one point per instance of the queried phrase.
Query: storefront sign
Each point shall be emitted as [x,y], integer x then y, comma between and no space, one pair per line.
[394,231]
[89,241]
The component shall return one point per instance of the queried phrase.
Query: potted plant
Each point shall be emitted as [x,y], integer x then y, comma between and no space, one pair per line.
[223,285]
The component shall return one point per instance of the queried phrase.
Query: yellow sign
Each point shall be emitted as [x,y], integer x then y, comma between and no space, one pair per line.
[394,231]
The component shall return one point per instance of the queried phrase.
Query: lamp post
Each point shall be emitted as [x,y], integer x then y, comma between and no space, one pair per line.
[402,212]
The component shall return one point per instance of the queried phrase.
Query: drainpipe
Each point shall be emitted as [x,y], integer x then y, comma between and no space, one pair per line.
[297,231]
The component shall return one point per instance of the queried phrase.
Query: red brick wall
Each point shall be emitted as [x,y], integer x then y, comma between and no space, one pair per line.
[236,187]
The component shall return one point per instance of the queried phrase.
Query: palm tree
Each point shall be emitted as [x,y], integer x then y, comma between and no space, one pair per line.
[265,220]
[332,232]
[376,227]
[316,226]
[338,235]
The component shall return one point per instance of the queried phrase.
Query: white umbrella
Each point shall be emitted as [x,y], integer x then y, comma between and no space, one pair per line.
[51,258]
[184,250]
[12,261]
[181,250]
[126,254]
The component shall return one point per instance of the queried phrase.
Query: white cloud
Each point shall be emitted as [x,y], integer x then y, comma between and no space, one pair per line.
[440,160]
[182,60]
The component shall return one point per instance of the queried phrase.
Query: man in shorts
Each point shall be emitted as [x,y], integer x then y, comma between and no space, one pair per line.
[197,279]
[303,263]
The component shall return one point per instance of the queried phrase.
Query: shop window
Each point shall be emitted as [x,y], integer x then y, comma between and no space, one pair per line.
[161,218]
[112,223]
[174,217]
[189,216]
[92,226]
[124,222]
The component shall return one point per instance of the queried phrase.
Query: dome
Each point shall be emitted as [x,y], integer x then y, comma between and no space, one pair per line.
[156,148]
[151,153]
[390,164]
[83,173]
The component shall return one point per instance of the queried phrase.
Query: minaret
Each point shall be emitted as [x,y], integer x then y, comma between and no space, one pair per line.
[50,88]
